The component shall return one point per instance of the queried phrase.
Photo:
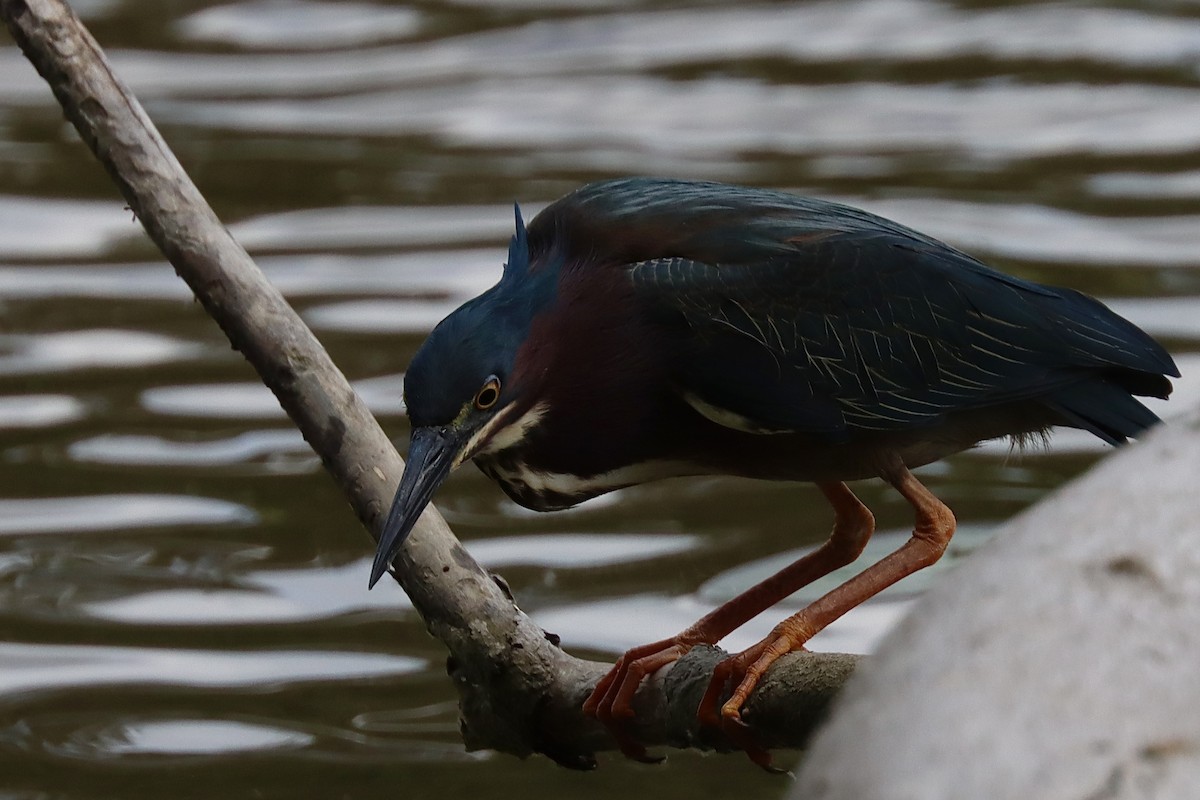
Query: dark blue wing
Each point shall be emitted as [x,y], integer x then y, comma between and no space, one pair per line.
[788,313]
[839,332]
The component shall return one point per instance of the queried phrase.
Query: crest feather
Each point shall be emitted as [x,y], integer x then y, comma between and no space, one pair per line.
[518,248]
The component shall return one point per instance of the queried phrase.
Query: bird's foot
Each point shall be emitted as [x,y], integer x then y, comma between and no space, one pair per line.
[744,670]
[611,702]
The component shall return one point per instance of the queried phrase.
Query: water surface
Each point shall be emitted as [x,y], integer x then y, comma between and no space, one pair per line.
[183,603]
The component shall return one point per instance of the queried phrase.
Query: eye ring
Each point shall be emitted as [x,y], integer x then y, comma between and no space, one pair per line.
[488,394]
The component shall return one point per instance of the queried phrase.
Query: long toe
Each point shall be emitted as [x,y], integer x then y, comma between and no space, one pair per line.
[611,702]
[743,672]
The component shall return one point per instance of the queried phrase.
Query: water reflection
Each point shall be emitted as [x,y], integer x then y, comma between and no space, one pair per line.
[125,282]
[994,124]
[893,31]
[614,626]
[1176,317]
[42,667]
[379,316]
[22,354]
[293,24]
[116,512]
[39,410]
[1041,234]
[283,449]
[254,401]
[179,581]
[277,596]
[360,227]
[173,741]
[195,737]
[38,228]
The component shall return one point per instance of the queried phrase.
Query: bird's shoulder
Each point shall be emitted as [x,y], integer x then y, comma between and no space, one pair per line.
[795,313]
[791,313]
[735,235]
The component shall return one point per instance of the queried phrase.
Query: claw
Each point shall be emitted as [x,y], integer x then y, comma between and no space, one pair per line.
[611,702]
[742,736]
[619,728]
[743,670]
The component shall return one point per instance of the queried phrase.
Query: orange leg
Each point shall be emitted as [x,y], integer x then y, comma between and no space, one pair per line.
[611,701]
[931,534]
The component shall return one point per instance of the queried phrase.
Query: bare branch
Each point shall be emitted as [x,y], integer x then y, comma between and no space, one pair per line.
[520,693]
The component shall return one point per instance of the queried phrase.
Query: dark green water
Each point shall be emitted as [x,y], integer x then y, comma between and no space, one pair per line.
[183,604]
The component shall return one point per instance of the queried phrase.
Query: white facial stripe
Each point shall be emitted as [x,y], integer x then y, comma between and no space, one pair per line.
[515,433]
[498,434]
[725,417]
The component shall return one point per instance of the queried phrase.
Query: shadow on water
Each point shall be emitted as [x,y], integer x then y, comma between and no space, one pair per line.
[183,604]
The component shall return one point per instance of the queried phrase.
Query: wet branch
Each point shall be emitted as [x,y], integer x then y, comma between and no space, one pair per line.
[519,692]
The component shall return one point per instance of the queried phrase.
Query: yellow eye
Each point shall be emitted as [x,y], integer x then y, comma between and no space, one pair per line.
[486,397]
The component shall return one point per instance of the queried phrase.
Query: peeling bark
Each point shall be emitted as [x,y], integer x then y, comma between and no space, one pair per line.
[519,692]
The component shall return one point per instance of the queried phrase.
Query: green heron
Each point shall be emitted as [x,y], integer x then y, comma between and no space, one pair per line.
[647,328]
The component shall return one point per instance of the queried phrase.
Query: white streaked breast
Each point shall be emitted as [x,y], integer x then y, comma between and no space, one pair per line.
[551,491]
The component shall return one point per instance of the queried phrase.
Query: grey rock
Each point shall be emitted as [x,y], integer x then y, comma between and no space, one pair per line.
[1062,660]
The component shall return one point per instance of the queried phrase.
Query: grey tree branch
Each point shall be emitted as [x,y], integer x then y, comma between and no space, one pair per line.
[519,692]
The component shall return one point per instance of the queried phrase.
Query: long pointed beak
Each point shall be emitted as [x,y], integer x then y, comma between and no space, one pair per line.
[431,456]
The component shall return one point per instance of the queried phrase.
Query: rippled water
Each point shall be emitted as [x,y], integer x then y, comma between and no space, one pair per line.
[183,604]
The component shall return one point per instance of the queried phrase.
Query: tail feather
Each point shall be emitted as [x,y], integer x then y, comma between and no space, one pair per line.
[1103,408]
[1127,363]
[1095,331]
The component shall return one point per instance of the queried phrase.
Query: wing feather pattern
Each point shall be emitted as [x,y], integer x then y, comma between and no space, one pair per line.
[840,332]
